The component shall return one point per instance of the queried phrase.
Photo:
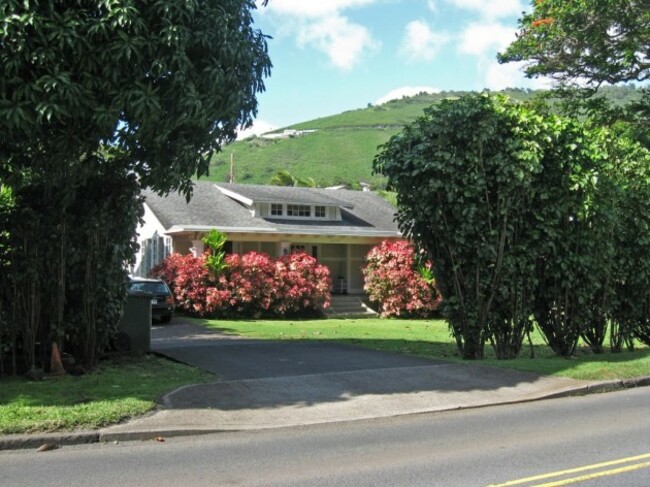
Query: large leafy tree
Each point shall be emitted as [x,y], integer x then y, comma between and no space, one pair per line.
[99,99]
[589,43]
[518,209]
[166,82]
[463,175]
[600,41]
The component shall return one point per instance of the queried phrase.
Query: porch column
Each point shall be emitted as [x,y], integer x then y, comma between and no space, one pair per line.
[197,248]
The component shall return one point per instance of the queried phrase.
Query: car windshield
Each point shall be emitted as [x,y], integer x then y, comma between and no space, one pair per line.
[150,287]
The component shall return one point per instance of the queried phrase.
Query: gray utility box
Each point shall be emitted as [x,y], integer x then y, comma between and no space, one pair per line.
[136,321]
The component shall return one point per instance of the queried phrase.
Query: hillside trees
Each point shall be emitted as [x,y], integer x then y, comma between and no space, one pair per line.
[99,100]
[519,211]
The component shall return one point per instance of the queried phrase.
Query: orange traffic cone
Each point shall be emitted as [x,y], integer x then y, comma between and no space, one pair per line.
[56,366]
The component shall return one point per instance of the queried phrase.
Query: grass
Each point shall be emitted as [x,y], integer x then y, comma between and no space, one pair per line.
[431,339]
[329,156]
[120,389]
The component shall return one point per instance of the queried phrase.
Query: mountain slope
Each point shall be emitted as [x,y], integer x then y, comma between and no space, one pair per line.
[338,149]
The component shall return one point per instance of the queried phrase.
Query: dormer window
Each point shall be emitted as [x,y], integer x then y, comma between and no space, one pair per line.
[303,211]
[320,211]
[277,209]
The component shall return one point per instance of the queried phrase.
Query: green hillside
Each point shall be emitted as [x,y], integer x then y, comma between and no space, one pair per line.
[342,147]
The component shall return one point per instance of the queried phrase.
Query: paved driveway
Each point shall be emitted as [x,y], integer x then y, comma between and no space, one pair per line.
[234,358]
[266,384]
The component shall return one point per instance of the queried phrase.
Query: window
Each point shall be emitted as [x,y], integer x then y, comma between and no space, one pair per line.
[276,209]
[299,210]
[320,211]
[297,249]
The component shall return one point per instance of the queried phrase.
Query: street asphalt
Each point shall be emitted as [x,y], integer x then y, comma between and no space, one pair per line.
[271,384]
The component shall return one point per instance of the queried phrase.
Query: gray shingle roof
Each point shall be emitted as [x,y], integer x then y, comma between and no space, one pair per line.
[362,212]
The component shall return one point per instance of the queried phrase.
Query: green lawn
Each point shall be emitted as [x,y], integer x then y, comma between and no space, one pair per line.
[119,389]
[431,338]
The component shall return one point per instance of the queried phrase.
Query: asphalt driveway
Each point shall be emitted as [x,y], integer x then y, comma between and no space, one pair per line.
[269,384]
[235,358]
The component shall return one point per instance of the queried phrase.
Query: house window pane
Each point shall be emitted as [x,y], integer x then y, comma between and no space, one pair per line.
[276,209]
[299,210]
[320,211]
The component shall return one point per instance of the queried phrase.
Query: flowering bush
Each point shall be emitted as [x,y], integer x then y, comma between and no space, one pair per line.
[302,284]
[251,285]
[394,282]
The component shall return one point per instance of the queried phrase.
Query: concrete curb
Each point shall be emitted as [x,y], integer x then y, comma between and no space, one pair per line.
[55,440]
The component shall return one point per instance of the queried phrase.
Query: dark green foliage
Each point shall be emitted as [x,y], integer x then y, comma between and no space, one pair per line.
[167,82]
[463,175]
[526,215]
[574,221]
[631,298]
[99,100]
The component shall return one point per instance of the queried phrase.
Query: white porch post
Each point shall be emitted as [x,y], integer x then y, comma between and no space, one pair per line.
[285,248]
[197,247]
[348,266]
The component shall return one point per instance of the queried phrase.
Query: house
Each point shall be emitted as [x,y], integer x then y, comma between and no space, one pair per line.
[336,226]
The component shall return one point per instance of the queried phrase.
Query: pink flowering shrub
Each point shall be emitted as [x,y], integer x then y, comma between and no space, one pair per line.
[302,284]
[168,269]
[394,283]
[250,285]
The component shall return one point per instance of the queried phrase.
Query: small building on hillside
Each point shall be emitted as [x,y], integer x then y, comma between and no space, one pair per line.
[336,226]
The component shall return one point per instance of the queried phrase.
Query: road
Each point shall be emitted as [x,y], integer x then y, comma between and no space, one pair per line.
[488,446]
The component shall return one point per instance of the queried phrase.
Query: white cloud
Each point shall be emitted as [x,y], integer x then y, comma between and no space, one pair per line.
[313,8]
[479,38]
[511,75]
[259,127]
[320,24]
[398,93]
[490,9]
[344,42]
[432,5]
[422,43]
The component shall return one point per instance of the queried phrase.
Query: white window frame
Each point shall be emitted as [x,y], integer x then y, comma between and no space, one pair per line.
[299,211]
[293,211]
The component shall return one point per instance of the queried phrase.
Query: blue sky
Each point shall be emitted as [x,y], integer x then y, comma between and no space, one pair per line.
[335,55]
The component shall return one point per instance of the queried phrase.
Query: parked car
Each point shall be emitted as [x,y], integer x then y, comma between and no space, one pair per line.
[162,302]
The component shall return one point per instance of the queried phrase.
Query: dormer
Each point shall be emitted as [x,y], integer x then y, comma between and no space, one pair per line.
[286,202]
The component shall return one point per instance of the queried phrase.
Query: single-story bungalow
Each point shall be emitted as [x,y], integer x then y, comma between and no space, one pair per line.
[336,226]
